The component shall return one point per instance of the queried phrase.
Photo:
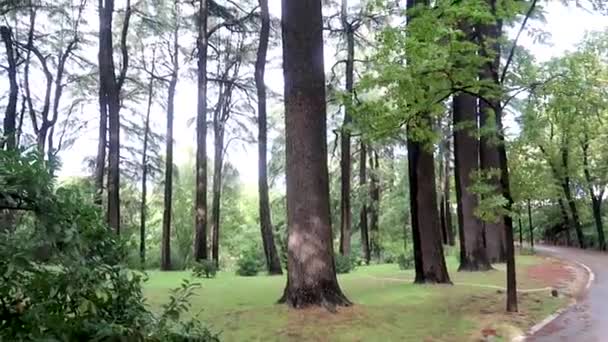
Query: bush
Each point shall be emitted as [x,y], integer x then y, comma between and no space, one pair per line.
[406,261]
[344,263]
[250,263]
[64,278]
[204,268]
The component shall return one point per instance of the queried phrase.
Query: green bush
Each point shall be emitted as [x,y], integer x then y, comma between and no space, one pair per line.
[204,268]
[64,277]
[249,263]
[406,261]
[344,263]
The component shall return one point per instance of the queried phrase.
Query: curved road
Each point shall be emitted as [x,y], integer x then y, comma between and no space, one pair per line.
[587,320]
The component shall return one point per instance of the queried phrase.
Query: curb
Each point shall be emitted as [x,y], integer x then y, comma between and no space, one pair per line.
[537,327]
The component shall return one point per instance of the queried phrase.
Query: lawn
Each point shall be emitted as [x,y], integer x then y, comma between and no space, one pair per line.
[387,306]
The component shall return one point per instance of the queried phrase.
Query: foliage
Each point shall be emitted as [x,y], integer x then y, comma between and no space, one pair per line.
[204,268]
[406,261]
[249,263]
[63,279]
[344,263]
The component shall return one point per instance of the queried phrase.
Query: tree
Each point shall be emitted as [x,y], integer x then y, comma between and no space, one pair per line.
[110,87]
[273,264]
[363,220]
[173,53]
[374,204]
[345,154]
[10,116]
[311,275]
[200,210]
[473,254]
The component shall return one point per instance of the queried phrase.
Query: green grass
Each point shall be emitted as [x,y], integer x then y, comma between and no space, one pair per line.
[244,309]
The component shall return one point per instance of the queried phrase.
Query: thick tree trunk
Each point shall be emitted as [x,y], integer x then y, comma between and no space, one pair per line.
[363,213]
[311,276]
[10,115]
[428,249]
[530,227]
[374,205]
[200,238]
[441,180]
[345,154]
[273,263]
[473,254]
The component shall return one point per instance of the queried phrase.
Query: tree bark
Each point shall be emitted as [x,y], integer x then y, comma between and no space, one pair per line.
[100,161]
[10,115]
[363,213]
[311,275]
[441,190]
[218,163]
[165,256]
[566,219]
[345,154]
[374,205]
[428,249]
[473,254]
[447,203]
[273,263]
[111,86]
[490,72]
[200,238]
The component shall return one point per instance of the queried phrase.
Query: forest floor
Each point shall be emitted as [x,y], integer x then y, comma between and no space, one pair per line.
[388,307]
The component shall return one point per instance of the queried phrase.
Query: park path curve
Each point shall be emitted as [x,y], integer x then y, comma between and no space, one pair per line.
[587,320]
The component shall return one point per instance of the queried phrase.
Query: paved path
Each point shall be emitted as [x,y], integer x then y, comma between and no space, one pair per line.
[586,321]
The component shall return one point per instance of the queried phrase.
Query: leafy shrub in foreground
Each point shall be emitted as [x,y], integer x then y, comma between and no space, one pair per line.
[406,261]
[249,264]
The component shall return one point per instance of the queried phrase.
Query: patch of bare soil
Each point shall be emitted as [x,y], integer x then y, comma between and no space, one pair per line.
[320,318]
[567,278]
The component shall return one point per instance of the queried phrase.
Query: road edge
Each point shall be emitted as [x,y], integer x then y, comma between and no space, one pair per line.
[537,327]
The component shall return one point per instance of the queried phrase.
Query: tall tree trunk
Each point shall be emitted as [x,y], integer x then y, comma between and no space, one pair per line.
[200,238]
[345,154]
[451,236]
[428,249]
[10,115]
[273,263]
[374,206]
[441,190]
[165,254]
[100,161]
[364,207]
[473,254]
[530,226]
[491,104]
[218,162]
[311,274]
[144,177]
[110,87]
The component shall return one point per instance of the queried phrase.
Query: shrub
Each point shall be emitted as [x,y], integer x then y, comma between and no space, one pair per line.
[344,263]
[204,268]
[406,261]
[64,278]
[249,263]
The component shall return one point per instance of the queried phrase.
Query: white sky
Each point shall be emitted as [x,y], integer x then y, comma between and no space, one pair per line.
[567,25]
